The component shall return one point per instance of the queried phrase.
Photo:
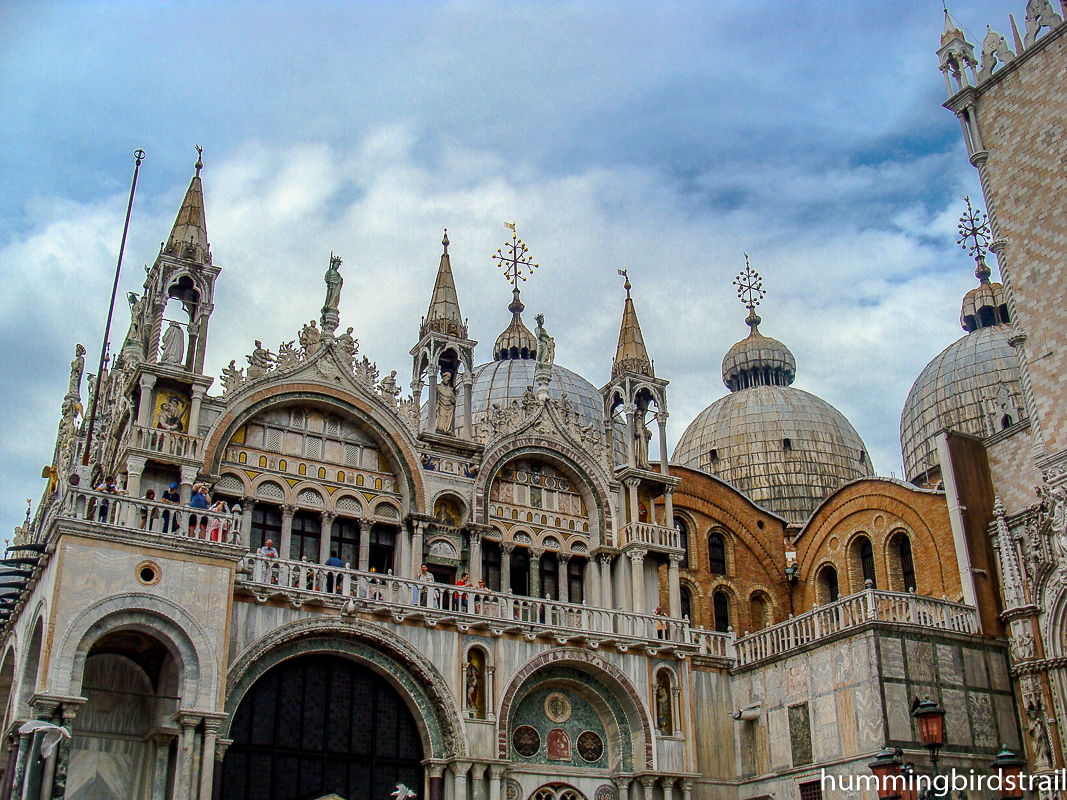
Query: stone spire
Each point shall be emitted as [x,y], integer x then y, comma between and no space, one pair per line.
[630,355]
[443,315]
[188,237]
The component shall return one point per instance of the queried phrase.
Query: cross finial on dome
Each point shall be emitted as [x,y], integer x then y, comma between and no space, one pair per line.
[517,260]
[750,292]
[974,238]
[626,283]
[444,241]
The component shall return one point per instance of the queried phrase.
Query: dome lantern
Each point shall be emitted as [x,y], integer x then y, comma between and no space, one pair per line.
[756,360]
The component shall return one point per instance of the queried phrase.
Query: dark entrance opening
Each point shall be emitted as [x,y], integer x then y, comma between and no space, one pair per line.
[318,724]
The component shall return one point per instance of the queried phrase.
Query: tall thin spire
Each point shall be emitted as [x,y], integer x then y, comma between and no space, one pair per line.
[443,315]
[188,237]
[631,354]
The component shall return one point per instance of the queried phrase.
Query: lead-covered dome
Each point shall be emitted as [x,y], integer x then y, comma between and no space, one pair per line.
[501,382]
[971,386]
[786,449]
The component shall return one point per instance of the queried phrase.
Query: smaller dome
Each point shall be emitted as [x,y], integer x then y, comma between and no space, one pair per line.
[758,360]
[516,342]
[986,304]
[505,381]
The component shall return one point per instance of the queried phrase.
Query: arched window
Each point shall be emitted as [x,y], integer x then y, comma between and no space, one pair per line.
[687,605]
[576,580]
[683,541]
[475,683]
[827,587]
[663,703]
[491,565]
[758,609]
[866,554]
[721,604]
[717,554]
[907,564]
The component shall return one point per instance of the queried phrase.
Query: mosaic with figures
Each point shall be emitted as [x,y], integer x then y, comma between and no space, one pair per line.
[556,725]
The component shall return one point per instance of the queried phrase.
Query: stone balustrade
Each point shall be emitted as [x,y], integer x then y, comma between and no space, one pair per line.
[654,536]
[168,520]
[161,442]
[852,612]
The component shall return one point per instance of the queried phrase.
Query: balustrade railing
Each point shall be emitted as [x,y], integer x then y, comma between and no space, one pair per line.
[651,535]
[440,599]
[152,516]
[157,440]
[851,612]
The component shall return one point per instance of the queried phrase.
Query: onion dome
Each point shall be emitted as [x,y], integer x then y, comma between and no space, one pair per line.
[972,386]
[784,448]
[516,342]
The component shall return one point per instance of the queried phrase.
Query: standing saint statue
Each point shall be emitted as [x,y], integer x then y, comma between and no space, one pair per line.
[310,337]
[77,367]
[642,435]
[446,404]
[546,345]
[173,345]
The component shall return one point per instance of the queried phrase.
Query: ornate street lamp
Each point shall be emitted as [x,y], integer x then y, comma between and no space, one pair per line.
[930,720]
[885,765]
[1010,768]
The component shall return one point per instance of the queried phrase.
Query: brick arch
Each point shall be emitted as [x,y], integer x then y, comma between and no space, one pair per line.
[585,661]
[389,434]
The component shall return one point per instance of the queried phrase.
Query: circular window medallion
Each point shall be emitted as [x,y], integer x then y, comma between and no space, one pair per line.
[606,792]
[526,741]
[557,707]
[148,573]
[590,746]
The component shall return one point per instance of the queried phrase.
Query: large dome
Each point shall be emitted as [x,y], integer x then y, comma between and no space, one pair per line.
[501,382]
[972,387]
[783,447]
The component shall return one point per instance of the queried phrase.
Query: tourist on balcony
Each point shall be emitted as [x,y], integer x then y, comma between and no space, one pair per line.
[333,561]
[266,570]
[108,487]
[145,516]
[198,502]
[661,627]
[423,598]
[170,495]
[464,581]
[219,525]
[480,597]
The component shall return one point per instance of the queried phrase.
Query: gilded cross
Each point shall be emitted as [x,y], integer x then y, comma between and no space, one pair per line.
[516,260]
[749,287]
[974,231]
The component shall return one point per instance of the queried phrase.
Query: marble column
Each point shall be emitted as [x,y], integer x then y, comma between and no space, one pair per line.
[220,756]
[478,788]
[19,776]
[161,744]
[605,582]
[187,480]
[431,418]
[325,536]
[674,586]
[490,692]
[134,469]
[637,579]
[668,506]
[474,558]
[9,767]
[648,781]
[631,457]
[687,789]
[194,410]
[207,760]
[505,566]
[564,583]
[416,548]
[634,505]
[535,571]
[183,773]
[144,406]
[363,564]
[287,530]
[591,575]
[436,781]
[459,774]
[59,776]
[248,505]
[468,402]
[496,775]
[661,418]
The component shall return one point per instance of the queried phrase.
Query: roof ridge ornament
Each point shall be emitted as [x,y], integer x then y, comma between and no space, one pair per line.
[750,292]
[975,236]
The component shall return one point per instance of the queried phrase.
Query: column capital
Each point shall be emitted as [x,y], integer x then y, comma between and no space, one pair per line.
[628,408]
[605,559]
[637,554]
[507,547]
[461,768]
[498,771]
[248,503]
[221,746]
[536,552]
[213,722]
[676,560]
[662,416]
[564,557]
[648,781]
[328,517]
[135,464]
[436,770]
[187,719]
[148,380]
[198,392]
[160,737]
[998,246]
[475,537]
[189,474]
[632,483]
[288,509]
[668,489]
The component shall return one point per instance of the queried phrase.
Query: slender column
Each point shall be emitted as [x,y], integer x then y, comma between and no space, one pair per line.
[490,692]
[592,572]
[325,536]
[474,559]
[207,761]
[674,587]
[25,745]
[661,418]
[667,784]
[478,781]
[648,781]
[416,548]
[437,781]
[220,756]
[635,509]
[187,479]
[687,789]
[468,401]
[637,582]
[564,584]
[364,545]
[431,419]
[134,469]
[605,581]
[59,776]
[631,457]
[248,505]
[496,773]
[144,407]
[161,743]
[183,773]
[287,531]
[459,773]
[505,566]
[668,507]
[535,571]
[195,747]
[676,709]
[9,768]
[194,410]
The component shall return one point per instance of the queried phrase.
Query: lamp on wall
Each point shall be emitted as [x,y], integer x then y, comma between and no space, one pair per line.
[1010,768]
[886,768]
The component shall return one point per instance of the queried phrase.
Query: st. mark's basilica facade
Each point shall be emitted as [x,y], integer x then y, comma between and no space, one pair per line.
[305,582]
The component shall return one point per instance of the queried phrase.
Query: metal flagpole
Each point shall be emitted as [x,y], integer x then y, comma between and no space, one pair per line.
[139,155]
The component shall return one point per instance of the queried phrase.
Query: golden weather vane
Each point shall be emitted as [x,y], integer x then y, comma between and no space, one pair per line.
[516,261]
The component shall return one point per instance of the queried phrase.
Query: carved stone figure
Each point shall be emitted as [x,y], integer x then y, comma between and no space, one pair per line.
[546,345]
[390,391]
[77,368]
[642,435]
[663,710]
[173,345]
[446,404]
[310,338]
[231,377]
[348,345]
[1039,14]
[473,676]
[260,361]
[334,282]
[288,355]
[133,347]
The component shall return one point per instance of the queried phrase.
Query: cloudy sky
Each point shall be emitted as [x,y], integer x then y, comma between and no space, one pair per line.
[665,138]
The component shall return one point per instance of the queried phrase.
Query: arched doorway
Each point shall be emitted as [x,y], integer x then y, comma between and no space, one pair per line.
[317,724]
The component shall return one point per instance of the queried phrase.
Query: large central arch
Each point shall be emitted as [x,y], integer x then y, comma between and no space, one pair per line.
[418,682]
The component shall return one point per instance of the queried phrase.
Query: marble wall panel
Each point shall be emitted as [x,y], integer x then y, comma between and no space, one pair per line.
[950,664]
[796,679]
[1007,722]
[846,721]
[844,665]
[892,658]
[920,661]
[998,671]
[800,734]
[778,734]
[822,674]
[985,732]
[826,739]
[957,724]
[974,668]
[870,728]
[897,706]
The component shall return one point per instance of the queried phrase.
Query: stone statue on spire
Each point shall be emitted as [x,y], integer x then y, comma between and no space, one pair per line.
[330,316]
[546,356]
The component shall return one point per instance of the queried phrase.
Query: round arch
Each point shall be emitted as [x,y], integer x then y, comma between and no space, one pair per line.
[641,749]
[183,636]
[418,682]
[390,436]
